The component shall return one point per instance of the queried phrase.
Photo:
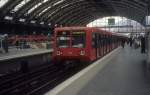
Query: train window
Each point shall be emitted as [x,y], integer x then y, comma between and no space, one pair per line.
[78,39]
[94,40]
[63,39]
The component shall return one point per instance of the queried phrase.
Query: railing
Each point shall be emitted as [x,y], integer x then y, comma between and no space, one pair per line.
[27,38]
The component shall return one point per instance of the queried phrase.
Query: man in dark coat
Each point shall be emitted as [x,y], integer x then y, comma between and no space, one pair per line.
[142,44]
[122,43]
[5,43]
[131,42]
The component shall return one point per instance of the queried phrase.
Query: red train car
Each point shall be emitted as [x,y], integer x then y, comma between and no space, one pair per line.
[28,38]
[83,44]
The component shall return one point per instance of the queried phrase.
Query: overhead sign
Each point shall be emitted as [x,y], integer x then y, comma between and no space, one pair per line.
[111,21]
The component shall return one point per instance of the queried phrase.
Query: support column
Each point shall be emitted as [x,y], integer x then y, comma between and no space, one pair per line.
[148,50]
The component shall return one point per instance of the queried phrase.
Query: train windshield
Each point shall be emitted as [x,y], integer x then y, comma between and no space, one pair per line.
[63,39]
[78,39]
[75,39]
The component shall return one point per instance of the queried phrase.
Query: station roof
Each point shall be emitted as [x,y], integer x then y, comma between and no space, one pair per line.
[71,12]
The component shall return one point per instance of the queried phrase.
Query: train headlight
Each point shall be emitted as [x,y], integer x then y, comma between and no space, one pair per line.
[58,53]
[82,52]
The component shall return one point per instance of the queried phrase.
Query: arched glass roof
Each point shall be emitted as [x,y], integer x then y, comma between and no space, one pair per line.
[120,24]
[73,12]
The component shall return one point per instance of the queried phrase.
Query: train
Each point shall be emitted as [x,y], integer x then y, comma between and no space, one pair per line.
[28,38]
[83,44]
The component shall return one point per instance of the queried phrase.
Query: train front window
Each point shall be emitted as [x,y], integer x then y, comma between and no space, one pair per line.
[78,39]
[63,39]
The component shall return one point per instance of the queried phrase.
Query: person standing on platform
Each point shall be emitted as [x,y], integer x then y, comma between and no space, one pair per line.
[17,44]
[5,43]
[131,42]
[127,41]
[142,44]
[122,43]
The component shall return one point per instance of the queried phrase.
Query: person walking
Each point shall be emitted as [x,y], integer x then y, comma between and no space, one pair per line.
[142,44]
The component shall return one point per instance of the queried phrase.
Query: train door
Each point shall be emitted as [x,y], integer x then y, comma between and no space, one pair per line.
[96,46]
[102,44]
[104,38]
[100,48]
[113,43]
[110,42]
[106,43]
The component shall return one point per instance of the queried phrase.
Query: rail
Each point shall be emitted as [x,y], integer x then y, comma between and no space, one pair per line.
[37,82]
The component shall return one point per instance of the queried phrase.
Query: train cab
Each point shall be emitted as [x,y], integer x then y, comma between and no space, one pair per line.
[70,44]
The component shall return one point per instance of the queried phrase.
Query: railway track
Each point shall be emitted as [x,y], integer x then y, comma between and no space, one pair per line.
[15,84]
[37,82]
[65,74]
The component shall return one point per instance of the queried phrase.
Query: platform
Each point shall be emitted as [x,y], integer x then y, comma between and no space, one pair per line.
[18,53]
[124,74]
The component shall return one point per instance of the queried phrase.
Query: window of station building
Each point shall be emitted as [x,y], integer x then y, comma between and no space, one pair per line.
[63,39]
[78,39]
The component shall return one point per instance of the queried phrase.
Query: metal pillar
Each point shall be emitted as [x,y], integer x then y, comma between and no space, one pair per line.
[148,36]
[148,50]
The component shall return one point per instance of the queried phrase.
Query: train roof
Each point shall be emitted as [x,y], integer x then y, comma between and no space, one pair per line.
[81,28]
[85,28]
[71,28]
[78,28]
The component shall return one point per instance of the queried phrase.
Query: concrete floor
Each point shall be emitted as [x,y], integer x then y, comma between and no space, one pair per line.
[125,75]
[15,53]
